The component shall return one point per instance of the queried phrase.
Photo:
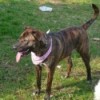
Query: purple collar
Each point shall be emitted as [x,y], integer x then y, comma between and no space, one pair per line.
[38,60]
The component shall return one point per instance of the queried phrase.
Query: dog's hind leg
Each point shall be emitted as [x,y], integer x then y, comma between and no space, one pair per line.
[84,53]
[69,67]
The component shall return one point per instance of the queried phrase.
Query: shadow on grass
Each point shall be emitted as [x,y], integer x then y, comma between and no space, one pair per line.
[76,91]
[68,90]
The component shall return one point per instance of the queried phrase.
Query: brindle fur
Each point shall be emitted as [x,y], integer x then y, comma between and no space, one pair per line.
[63,43]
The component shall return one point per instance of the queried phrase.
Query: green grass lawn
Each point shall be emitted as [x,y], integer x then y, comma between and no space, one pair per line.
[17,81]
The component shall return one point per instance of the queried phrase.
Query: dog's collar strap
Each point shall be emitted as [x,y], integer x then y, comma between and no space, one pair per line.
[38,60]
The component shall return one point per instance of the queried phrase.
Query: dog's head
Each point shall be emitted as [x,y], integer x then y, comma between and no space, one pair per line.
[30,40]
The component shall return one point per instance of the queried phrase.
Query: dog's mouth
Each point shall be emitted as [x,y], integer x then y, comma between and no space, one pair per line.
[21,54]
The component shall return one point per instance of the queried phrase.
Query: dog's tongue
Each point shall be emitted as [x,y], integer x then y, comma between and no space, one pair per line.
[18,56]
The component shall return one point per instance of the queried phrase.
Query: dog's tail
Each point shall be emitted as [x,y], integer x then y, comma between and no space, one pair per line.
[96,13]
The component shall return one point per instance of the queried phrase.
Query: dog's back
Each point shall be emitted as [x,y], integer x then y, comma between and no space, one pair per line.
[74,37]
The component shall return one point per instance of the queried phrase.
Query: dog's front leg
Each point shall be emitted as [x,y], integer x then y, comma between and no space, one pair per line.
[38,79]
[49,83]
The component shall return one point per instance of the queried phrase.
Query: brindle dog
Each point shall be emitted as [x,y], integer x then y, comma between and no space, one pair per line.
[61,45]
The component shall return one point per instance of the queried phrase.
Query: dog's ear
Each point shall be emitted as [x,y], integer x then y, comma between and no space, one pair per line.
[40,36]
[27,27]
[43,39]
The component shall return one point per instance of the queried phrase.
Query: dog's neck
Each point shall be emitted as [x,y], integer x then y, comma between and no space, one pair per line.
[36,59]
[42,49]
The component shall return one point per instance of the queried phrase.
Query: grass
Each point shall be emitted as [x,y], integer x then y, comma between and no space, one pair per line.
[17,81]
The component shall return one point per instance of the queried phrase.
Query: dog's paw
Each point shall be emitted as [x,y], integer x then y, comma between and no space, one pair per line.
[47,97]
[89,81]
[36,92]
[67,76]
